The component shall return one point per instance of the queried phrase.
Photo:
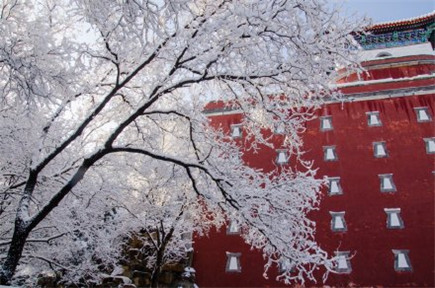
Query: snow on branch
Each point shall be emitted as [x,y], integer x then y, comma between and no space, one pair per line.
[40,240]
[103,134]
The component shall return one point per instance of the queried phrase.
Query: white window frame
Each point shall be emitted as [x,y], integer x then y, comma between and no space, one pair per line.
[399,257]
[427,142]
[337,182]
[369,119]
[424,110]
[336,216]
[375,149]
[233,129]
[391,213]
[334,153]
[383,177]
[233,228]
[233,257]
[343,256]
[280,152]
[326,120]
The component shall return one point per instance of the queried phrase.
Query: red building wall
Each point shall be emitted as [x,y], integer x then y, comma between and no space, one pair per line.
[394,68]
[358,169]
[393,87]
[367,237]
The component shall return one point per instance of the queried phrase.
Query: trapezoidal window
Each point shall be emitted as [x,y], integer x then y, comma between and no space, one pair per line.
[281,157]
[233,228]
[236,131]
[430,145]
[334,186]
[373,119]
[337,222]
[394,221]
[342,262]
[380,150]
[233,262]
[422,114]
[326,123]
[387,183]
[330,153]
[401,260]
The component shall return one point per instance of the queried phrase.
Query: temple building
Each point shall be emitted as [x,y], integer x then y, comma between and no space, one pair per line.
[377,150]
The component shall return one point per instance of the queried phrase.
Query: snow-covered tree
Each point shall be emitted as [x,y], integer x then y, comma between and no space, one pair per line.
[102,131]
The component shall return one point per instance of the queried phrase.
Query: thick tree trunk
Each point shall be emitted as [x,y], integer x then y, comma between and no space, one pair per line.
[158,266]
[14,254]
[160,253]
[156,273]
[22,229]
[21,232]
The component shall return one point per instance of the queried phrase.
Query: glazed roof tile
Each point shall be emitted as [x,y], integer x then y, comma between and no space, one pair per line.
[404,24]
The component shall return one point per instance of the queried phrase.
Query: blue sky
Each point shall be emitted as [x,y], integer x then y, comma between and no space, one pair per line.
[387,10]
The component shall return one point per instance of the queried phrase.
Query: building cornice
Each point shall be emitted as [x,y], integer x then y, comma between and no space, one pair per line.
[402,25]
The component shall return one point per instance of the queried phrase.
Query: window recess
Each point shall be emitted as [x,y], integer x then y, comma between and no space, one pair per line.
[233,262]
[373,119]
[394,220]
[342,264]
[281,157]
[387,183]
[334,186]
[330,153]
[401,260]
[233,228]
[326,123]
[338,224]
[380,149]
[430,145]
[422,114]
[236,131]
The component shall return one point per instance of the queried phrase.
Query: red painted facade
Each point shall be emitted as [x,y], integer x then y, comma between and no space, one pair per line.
[394,69]
[403,84]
